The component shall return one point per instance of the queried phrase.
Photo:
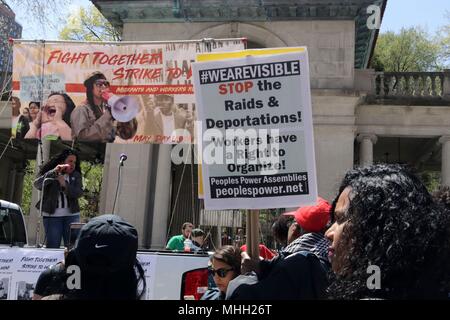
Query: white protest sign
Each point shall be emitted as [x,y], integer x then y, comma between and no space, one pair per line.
[7,260]
[148,263]
[20,270]
[256,124]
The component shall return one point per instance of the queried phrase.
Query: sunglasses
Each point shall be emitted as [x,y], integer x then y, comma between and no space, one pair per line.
[100,83]
[222,273]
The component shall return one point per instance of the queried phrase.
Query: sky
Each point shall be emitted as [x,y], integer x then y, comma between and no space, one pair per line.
[429,14]
[34,30]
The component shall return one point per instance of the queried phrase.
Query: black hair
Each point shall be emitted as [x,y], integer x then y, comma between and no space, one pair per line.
[125,284]
[392,222]
[89,84]
[36,103]
[280,229]
[27,117]
[230,255]
[59,159]
[197,233]
[70,105]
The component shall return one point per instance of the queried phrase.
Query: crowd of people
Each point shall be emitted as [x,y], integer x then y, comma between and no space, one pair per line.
[383,225]
[382,217]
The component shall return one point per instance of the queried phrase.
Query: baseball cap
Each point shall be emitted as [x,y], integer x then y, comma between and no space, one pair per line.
[107,243]
[312,218]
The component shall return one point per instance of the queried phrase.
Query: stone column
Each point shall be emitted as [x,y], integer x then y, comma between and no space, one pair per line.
[366,142]
[134,187]
[445,169]
[162,196]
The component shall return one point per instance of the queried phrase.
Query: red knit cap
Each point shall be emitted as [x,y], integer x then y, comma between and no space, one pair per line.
[312,218]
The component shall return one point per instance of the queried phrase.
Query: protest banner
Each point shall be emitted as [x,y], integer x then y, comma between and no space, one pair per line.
[257,143]
[20,269]
[148,263]
[123,92]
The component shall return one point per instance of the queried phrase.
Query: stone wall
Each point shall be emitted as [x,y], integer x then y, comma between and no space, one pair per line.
[331,44]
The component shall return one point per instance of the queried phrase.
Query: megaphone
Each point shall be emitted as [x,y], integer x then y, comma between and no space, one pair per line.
[123,109]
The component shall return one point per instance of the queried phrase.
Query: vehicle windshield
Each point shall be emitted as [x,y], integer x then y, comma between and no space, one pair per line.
[12,229]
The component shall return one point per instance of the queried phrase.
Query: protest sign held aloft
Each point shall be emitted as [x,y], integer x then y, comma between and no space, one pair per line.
[256,125]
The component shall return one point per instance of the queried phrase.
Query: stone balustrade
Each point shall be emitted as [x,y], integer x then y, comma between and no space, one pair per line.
[408,84]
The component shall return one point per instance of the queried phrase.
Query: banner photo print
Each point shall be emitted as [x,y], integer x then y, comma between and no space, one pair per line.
[112,92]
[256,121]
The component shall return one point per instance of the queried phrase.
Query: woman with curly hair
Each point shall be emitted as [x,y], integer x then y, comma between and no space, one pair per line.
[61,191]
[384,216]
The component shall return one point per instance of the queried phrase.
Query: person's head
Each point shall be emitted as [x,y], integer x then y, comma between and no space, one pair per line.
[58,106]
[225,266]
[67,156]
[384,216]
[198,235]
[309,219]
[165,103]
[34,107]
[26,113]
[95,85]
[106,252]
[127,130]
[15,102]
[186,229]
[280,228]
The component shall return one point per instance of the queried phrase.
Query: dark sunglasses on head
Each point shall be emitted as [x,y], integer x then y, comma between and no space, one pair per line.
[100,82]
[222,272]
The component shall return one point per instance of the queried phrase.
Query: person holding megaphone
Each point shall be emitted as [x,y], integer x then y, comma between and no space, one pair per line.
[93,121]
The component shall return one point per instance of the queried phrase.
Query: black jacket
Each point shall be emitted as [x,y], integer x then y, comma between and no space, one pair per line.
[299,276]
[73,191]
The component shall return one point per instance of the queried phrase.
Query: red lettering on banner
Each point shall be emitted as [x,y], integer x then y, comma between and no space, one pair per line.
[138,74]
[100,57]
[67,57]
